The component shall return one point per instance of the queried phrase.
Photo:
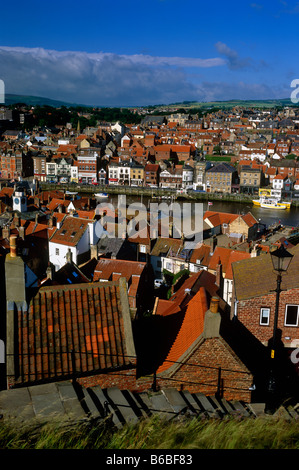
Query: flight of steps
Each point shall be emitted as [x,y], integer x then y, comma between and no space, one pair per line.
[120,407]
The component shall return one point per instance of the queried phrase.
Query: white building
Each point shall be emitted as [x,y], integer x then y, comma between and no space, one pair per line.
[119,173]
[278,182]
[75,236]
[87,166]
[187,177]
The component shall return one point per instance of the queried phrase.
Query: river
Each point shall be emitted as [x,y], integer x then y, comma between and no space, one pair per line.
[288,217]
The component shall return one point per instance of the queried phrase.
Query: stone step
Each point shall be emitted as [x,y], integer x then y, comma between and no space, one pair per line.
[94,412]
[175,399]
[159,404]
[70,401]
[240,408]
[105,408]
[192,403]
[46,401]
[219,407]
[16,404]
[208,408]
[119,401]
[227,405]
[145,403]
[257,409]
[137,405]
[293,412]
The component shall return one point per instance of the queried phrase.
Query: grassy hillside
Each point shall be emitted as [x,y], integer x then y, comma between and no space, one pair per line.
[233,103]
[35,100]
[233,433]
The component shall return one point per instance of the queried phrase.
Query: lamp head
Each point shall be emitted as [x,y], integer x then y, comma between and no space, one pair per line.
[281,259]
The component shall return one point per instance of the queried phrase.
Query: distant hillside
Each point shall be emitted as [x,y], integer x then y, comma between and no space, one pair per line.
[233,103]
[36,100]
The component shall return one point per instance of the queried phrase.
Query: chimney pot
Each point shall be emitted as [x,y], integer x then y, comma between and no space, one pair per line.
[13,246]
[214,304]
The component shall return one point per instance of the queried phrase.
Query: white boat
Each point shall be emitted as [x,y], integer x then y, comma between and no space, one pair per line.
[277,202]
[71,193]
[273,205]
[101,195]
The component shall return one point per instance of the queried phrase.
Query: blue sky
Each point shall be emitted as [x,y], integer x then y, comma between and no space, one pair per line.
[141,52]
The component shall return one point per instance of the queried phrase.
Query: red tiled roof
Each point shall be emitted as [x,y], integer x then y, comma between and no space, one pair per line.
[220,254]
[249,219]
[106,268]
[86,214]
[71,231]
[55,203]
[88,319]
[191,329]
[224,217]
[219,218]
[235,256]
[6,192]
[202,253]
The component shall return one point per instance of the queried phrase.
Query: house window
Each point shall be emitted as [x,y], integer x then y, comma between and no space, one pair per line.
[57,251]
[264,316]
[291,315]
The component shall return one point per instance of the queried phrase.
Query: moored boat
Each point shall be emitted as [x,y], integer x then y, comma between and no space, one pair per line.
[276,202]
[273,205]
[101,195]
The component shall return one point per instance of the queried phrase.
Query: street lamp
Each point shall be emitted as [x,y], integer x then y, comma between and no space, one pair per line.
[281,260]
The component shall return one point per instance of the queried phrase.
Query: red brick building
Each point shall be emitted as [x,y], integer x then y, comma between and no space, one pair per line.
[151,174]
[254,298]
[13,165]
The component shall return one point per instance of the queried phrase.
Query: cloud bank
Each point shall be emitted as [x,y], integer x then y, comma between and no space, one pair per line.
[106,79]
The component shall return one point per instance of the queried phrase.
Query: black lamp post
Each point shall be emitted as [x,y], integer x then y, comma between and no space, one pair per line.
[281,259]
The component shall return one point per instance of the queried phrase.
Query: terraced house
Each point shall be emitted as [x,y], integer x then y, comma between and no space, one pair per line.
[222,178]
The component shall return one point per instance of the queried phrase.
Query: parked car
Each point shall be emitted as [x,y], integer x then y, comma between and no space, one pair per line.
[158,283]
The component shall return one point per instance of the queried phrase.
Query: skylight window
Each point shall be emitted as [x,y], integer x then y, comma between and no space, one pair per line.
[73,234]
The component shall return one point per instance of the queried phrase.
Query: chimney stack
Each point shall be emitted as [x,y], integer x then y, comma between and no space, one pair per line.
[6,231]
[213,244]
[219,276]
[212,319]
[50,271]
[94,251]
[22,232]
[16,220]
[214,304]
[69,256]
[13,246]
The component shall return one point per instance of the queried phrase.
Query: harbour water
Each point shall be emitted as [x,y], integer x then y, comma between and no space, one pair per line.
[288,217]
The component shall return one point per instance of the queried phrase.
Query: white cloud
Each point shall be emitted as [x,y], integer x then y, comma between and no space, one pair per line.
[98,78]
[106,79]
[234,61]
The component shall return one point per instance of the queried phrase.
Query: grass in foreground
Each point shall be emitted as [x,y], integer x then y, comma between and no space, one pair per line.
[154,433]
